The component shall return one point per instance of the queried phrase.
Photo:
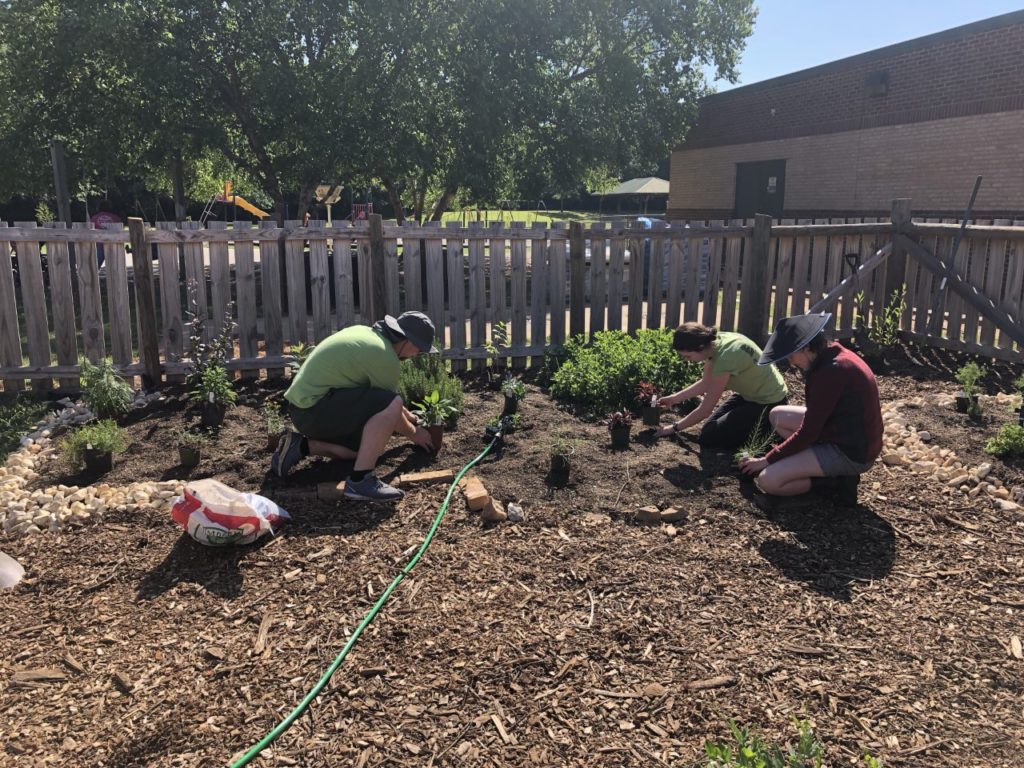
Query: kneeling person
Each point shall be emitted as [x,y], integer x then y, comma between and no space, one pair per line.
[344,401]
[838,435]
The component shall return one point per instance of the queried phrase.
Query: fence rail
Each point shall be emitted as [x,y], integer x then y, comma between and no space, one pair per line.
[282,286]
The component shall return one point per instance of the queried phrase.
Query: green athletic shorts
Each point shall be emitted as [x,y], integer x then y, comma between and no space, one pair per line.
[339,416]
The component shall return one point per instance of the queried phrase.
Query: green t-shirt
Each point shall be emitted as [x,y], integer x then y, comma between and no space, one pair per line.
[356,356]
[737,356]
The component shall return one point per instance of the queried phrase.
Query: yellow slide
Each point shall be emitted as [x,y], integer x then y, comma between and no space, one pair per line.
[241,202]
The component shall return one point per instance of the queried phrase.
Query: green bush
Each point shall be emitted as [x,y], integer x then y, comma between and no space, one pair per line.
[213,385]
[17,417]
[751,751]
[422,375]
[604,375]
[102,435]
[1009,441]
[104,391]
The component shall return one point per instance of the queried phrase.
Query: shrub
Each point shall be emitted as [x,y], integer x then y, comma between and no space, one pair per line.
[104,436]
[604,375]
[619,419]
[435,410]
[274,418]
[17,417]
[189,439]
[104,391]
[1009,441]
[751,751]
[213,385]
[203,354]
[300,353]
[563,447]
[646,395]
[513,388]
[968,376]
[757,442]
[422,375]
[513,422]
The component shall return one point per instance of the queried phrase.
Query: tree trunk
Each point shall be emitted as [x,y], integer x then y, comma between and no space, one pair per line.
[395,197]
[278,197]
[306,193]
[442,204]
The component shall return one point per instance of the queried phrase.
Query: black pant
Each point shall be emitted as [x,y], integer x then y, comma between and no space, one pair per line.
[733,421]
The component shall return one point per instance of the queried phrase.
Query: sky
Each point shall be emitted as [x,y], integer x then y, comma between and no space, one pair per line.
[791,35]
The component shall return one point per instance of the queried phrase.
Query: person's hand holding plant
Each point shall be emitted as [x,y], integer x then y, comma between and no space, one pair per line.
[752,465]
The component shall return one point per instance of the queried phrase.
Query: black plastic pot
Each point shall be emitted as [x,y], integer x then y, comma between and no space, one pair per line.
[98,462]
[273,438]
[651,415]
[620,437]
[511,406]
[212,415]
[1020,416]
[560,465]
[189,456]
[436,436]
[963,402]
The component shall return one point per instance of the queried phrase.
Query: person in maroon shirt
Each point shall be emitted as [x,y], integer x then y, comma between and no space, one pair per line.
[834,439]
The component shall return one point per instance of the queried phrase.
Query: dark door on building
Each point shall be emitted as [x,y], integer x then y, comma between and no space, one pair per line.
[760,188]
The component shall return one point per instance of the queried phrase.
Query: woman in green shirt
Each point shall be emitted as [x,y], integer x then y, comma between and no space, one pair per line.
[730,362]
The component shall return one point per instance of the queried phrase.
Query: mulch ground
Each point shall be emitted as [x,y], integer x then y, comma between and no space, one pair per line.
[575,637]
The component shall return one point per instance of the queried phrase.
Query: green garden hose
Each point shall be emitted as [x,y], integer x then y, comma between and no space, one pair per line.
[285,724]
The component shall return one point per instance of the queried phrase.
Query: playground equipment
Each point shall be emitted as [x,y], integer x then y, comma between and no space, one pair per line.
[227,197]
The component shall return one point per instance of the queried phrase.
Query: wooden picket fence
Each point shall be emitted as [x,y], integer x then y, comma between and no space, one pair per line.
[283,286]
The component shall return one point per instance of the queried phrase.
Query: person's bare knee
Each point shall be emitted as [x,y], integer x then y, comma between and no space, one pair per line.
[767,482]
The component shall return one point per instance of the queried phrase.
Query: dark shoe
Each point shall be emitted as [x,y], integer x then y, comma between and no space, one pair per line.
[371,488]
[841,491]
[288,453]
[765,502]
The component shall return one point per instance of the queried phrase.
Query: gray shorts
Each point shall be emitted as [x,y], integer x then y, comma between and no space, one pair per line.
[340,415]
[835,463]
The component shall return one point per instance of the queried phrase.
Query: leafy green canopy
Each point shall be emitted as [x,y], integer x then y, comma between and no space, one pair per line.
[434,98]
[604,375]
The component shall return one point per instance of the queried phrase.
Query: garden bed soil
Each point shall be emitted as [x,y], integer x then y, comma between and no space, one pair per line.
[575,637]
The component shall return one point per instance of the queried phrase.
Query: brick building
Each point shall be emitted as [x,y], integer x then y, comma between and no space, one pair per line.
[920,119]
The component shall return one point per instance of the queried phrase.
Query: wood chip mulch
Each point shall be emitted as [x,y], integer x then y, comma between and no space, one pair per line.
[575,637]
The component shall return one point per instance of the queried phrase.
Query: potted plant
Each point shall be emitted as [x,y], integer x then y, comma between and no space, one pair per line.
[647,403]
[967,398]
[619,424]
[275,423]
[190,447]
[94,445]
[213,391]
[514,390]
[433,412]
[562,450]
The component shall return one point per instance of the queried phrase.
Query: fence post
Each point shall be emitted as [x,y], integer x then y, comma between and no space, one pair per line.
[754,287]
[378,286]
[896,264]
[577,278]
[142,271]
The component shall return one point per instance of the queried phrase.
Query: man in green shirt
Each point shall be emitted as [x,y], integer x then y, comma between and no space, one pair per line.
[730,362]
[344,401]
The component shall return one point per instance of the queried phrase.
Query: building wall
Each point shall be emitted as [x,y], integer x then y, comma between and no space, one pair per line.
[933,163]
[952,108]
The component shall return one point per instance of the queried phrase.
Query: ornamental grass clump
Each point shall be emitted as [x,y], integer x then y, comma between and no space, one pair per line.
[104,391]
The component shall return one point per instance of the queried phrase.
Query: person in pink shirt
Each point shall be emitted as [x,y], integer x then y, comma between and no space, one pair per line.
[105,215]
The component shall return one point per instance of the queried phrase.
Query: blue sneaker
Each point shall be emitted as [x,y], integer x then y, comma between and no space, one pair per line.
[287,454]
[371,488]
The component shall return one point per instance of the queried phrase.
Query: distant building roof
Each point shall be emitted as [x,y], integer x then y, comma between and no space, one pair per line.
[646,185]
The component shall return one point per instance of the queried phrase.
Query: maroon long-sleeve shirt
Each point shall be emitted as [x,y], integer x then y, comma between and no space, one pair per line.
[842,408]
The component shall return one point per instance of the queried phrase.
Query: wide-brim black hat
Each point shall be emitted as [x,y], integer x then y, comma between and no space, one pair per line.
[416,327]
[791,335]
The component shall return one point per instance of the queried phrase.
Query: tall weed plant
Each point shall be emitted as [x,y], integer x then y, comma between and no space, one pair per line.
[603,375]
[422,375]
[104,391]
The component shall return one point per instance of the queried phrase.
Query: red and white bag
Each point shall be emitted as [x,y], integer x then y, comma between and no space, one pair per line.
[217,515]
